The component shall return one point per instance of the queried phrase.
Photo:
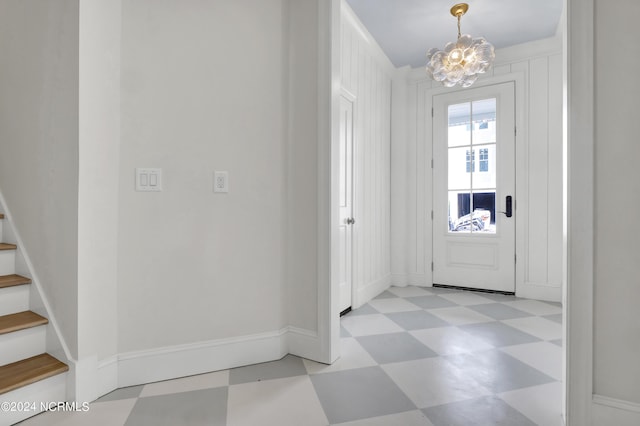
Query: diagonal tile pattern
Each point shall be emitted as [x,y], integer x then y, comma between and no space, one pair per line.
[412,356]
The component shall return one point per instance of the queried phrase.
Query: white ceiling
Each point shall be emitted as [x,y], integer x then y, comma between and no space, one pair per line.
[407,29]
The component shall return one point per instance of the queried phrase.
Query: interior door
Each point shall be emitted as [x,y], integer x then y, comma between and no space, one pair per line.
[346,202]
[474,188]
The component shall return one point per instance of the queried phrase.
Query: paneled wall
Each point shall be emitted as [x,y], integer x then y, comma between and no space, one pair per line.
[366,76]
[537,70]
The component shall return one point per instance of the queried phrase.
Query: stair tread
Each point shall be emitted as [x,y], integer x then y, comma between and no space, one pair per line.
[5,246]
[28,371]
[20,321]
[1,216]
[13,280]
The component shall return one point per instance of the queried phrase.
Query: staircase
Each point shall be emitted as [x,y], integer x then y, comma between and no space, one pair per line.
[29,377]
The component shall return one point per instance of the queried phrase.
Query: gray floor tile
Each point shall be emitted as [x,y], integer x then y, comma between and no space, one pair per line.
[498,371]
[385,295]
[395,347]
[197,408]
[499,297]
[360,393]
[288,366]
[415,320]
[344,332]
[499,334]
[431,302]
[441,290]
[555,318]
[557,342]
[365,309]
[122,393]
[483,411]
[499,311]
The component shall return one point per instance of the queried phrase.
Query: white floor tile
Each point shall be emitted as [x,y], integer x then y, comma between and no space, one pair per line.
[109,413]
[187,384]
[433,381]
[542,356]
[410,291]
[393,305]
[352,355]
[450,340]
[466,298]
[284,402]
[409,418]
[542,328]
[542,404]
[364,325]
[460,315]
[535,307]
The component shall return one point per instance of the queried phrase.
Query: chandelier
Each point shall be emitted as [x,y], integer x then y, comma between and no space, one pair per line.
[460,62]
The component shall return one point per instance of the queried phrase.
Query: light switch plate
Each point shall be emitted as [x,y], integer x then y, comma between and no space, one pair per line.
[220,182]
[148,180]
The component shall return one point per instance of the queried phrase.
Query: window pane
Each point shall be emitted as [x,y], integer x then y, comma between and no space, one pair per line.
[484,121]
[459,178]
[459,208]
[484,212]
[460,124]
[484,176]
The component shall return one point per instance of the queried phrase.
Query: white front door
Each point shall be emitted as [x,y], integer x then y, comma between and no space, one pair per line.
[474,188]
[346,202]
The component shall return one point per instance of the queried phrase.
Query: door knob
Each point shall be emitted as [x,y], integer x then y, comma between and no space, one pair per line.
[350,221]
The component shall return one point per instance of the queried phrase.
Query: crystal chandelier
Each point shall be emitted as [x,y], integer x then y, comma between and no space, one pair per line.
[460,62]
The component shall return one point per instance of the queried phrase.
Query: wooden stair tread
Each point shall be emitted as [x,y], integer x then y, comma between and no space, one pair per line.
[13,280]
[20,321]
[5,246]
[1,216]
[28,371]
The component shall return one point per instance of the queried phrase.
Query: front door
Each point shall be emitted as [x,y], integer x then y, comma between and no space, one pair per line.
[346,202]
[474,188]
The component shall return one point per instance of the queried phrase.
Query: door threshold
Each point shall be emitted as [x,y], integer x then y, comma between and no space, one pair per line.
[480,290]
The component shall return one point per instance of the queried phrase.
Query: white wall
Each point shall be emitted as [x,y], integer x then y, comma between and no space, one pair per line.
[99,142]
[366,73]
[537,69]
[39,144]
[617,199]
[203,89]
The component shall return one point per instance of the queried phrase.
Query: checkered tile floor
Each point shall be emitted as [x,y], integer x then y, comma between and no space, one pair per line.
[412,356]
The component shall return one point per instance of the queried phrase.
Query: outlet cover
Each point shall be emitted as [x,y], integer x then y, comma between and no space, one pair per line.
[220,182]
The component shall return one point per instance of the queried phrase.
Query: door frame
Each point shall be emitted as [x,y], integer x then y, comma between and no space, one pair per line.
[425,134]
[436,192]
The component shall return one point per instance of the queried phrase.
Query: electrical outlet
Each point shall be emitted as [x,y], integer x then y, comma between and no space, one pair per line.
[221,182]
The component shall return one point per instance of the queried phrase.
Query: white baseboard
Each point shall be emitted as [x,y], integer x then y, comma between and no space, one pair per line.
[303,343]
[135,368]
[611,411]
[371,290]
[539,292]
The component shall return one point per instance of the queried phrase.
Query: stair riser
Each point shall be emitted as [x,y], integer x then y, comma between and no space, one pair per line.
[14,299]
[7,262]
[45,391]
[22,344]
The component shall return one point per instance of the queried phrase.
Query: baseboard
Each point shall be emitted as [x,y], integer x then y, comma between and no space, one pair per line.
[611,411]
[303,343]
[403,280]
[371,290]
[539,292]
[140,367]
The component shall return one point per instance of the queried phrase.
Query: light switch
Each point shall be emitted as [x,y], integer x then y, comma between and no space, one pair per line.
[148,180]
[221,182]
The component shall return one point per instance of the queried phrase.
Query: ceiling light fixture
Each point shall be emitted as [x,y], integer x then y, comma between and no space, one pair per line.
[460,62]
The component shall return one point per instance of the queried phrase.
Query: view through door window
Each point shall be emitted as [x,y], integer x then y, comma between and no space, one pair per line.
[472,166]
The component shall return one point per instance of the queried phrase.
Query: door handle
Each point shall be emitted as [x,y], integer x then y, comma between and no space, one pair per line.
[509,211]
[350,221]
